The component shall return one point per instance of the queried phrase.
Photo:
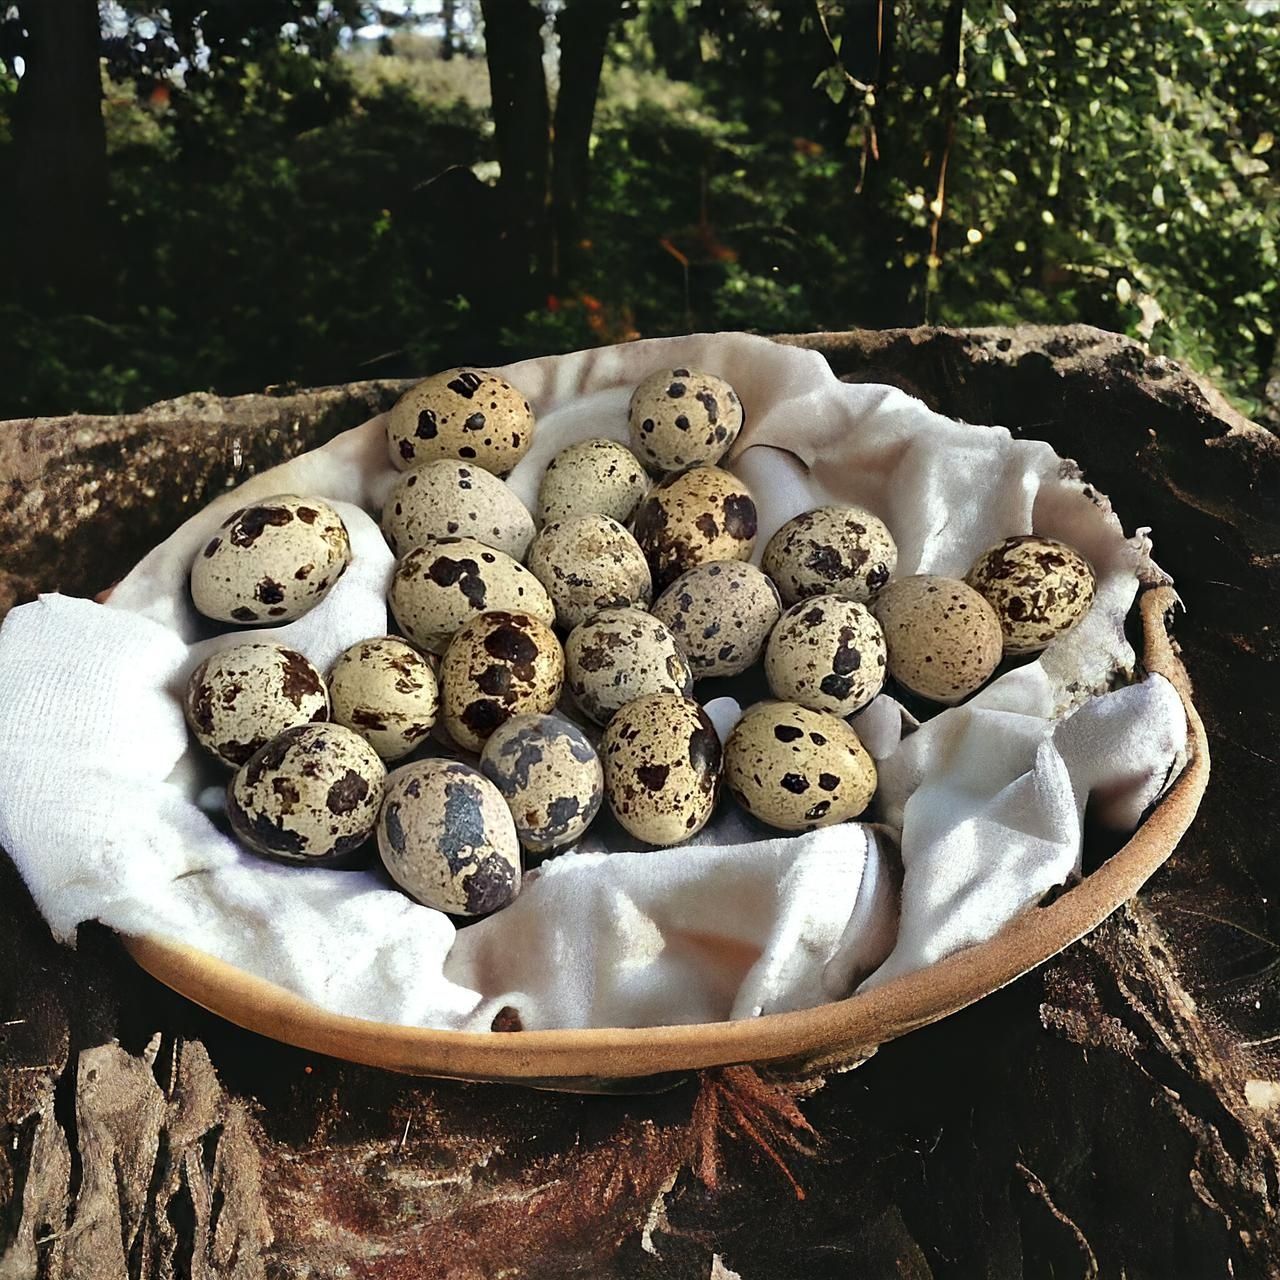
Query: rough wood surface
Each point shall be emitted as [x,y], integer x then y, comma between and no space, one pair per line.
[1115,1114]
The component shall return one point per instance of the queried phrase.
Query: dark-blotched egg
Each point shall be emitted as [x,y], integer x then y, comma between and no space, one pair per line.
[468,414]
[662,761]
[797,769]
[499,665]
[238,699]
[549,775]
[311,795]
[446,837]
[270,562]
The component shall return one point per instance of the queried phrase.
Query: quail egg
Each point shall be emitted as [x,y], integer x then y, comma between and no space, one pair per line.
[598,476]
[828,654]
[446,837]
[385,690]
[270,562]
[721,615]
[588,563]
[943,639]
[240,698]
[797,769]
[461,413]
[550,777]
[697,517]
[447,498]
[311,795]
[843,551]
[439,586]
[620,654]
[661,759]
[679,417]
[1038,587]
[499,665]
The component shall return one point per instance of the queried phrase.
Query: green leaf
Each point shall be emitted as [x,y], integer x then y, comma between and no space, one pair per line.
[1015,48]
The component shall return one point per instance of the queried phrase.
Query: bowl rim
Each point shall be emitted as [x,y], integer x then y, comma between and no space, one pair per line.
[840,1032]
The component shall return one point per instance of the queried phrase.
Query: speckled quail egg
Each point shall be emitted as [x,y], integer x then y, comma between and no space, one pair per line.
[447,498]
[501,664]
[439,586]
[843,551]
[599,476]
[310,795]
[721,615]
[460,413]
[662,760]
[446,837]
[1039,588]
[697,517]
[619,655]
[549,775]
[828,654]
[797,769]
[239,699]
[943,638]
[679,417]
[588,563]
[385,690]
[270,562]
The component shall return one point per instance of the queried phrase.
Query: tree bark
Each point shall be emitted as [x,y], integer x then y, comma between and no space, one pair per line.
[583,27]
[522,126]
[60,155]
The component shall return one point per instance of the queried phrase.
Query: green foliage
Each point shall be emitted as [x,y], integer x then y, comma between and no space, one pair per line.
[279,240]
[1113,164]
[291,216]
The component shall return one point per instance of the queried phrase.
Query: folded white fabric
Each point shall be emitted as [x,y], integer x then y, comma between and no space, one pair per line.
[109,814]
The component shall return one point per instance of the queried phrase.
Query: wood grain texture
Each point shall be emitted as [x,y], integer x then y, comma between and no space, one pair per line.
[1114,1113]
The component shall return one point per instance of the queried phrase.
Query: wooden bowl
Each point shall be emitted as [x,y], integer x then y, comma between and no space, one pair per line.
[829,1037]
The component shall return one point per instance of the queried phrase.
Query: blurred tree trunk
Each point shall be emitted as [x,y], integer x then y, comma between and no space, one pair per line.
[522,127]
[449,17]
[583,27]
[675,41]
[60,154]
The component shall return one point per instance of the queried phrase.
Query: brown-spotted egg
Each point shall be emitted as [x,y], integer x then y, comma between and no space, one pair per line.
[270,562]
[679,417]
[943,639]
[384,690]
[446,499]
[599,476]
[499,665]
[588,563]
[468,414]
[311,795]
[618,655]
[1039,588]
[797,769]
[662,761]
[826,653]
[447,582]
[238,699]
[842,551]
[697,517]
[721,616]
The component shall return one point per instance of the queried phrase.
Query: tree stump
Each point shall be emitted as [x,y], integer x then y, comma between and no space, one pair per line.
[1113,1114]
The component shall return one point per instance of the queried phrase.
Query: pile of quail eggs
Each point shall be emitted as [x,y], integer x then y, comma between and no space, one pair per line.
[547,662]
